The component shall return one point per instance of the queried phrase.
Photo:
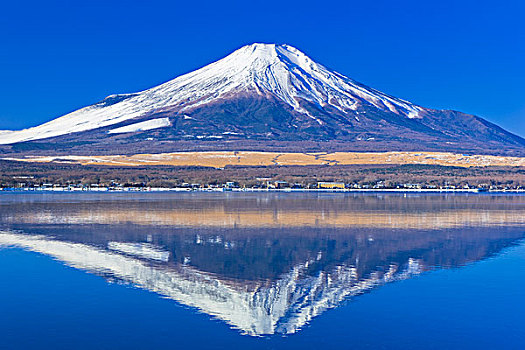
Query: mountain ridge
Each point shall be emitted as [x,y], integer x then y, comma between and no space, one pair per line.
[264,97]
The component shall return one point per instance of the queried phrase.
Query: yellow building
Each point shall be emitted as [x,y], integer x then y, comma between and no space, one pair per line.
[330,185]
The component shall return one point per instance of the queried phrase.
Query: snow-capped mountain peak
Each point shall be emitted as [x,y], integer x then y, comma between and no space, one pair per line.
[284,72]
[280,71]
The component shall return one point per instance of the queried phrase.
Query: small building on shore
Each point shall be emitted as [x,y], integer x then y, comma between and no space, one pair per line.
[281,184]
[331,185]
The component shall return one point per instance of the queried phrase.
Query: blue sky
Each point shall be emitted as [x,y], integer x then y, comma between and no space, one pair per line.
[57,56]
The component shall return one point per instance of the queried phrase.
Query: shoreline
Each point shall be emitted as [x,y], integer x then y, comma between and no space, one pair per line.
[261,190]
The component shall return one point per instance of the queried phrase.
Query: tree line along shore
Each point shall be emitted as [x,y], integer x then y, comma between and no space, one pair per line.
[329,177]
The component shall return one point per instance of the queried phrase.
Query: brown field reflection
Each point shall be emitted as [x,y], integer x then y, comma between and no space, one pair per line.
[395,211]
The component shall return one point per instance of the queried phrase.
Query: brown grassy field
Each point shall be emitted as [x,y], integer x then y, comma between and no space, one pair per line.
[245,158]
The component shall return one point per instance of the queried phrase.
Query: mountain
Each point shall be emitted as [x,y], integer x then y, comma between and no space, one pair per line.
[262,97]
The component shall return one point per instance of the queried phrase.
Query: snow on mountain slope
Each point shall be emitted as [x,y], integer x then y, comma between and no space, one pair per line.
[280,71]
[141,126]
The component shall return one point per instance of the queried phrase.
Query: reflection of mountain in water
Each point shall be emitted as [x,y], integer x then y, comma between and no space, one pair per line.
[263,263]
[259,281]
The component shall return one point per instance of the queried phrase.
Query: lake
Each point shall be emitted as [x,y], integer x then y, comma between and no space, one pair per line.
[262,271]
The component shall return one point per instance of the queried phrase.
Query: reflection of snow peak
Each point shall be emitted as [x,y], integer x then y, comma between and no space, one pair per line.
[282,307]
[141,250]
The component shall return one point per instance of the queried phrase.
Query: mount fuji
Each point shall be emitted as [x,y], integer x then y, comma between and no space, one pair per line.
[261,97]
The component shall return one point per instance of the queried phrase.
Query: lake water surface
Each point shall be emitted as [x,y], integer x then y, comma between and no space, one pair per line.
[262,271]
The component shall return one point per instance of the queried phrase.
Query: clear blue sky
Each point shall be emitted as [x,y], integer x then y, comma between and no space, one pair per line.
[57,56]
